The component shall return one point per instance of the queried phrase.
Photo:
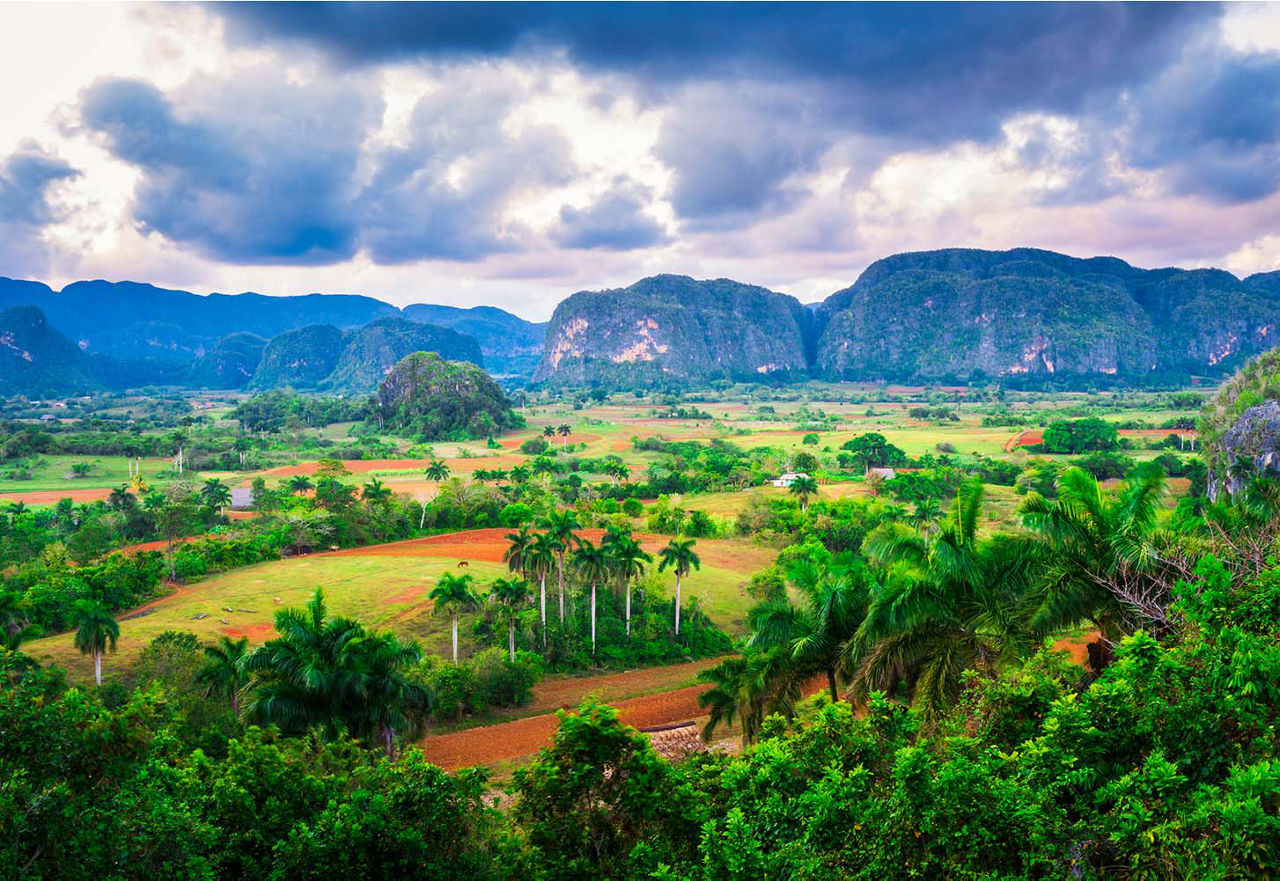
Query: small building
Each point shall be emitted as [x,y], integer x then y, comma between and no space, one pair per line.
[790,477]
[241,498]
[886,473]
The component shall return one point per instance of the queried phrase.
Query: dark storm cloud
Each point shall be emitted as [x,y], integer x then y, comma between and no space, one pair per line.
[614,222]
[1212,124]
[250,170]
[934,70]
[25,178]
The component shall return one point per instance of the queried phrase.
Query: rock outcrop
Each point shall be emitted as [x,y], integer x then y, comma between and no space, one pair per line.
[672,328]
[427,397]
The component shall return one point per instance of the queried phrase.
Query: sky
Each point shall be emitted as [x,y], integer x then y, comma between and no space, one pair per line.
[511,154]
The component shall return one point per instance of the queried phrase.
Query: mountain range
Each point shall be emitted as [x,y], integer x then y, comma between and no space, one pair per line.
[1024,315]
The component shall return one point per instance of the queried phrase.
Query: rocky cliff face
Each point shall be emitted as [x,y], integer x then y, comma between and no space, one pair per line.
[939,314]
[672,327]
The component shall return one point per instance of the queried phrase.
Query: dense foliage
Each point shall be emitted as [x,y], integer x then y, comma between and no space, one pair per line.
[430,398]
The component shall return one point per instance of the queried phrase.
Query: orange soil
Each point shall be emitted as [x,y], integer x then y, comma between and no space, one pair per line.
[52,496]
[521,738]
[256,632]
[486,545]
[364,466]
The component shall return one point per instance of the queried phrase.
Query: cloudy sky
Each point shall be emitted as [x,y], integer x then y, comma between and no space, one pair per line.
[511,154]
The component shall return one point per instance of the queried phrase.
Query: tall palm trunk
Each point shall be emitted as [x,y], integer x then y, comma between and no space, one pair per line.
[511,637]
[677,602]
[542,578]
[389,741]
[831,683]
[455,636]
[593,617]
[628,608]
[97,666]
[560,580]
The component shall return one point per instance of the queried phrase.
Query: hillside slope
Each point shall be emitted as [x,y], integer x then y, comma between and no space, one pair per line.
[675,328]
[939,315]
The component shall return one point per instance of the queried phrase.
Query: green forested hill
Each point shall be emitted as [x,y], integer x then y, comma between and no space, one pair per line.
[36,360]
[430,397]
[938,314]
[674,328]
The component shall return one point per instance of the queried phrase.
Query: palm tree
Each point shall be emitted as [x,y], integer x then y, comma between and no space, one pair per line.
[548,431]
[329,672]
[817,626]
[222,673]
[564,431]
[511,593]
[299,484]
[519,474]
[947,603]
[560,526]
[453,594]
[16,508]
[516,556]
[387,702]
[926,512]
[804,486]
[542,554]
[749,687]
[303,678]
[437,470]
[120,499]
[1102,551]
[593,563]
[679,556]
[628,563]
[215,494]
[96,632]
[375,491]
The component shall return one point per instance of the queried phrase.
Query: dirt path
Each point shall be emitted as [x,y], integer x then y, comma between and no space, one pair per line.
[520,738]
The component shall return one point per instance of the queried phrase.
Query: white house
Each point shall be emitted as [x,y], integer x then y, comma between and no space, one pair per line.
[790,477]
[241,498]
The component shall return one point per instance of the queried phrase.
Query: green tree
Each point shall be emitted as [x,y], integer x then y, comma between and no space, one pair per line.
[1103,555]
[564,431]
[223,673]
[376,492]
[560,527]
[947,602]
[628,561]
[680,558]
[215,494]
[593,563]
[516,555]
[542,555]
[299,484]
[437,470]
[453,594]
[512,594]
[816,626]
[96,633]
[804,487]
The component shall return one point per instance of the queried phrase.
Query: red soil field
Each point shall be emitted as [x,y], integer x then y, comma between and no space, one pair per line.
[52,496]
[364,466]
[256,632]
[485,545]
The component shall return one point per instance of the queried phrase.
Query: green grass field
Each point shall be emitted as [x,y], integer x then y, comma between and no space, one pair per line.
[383,592]
[54,473]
